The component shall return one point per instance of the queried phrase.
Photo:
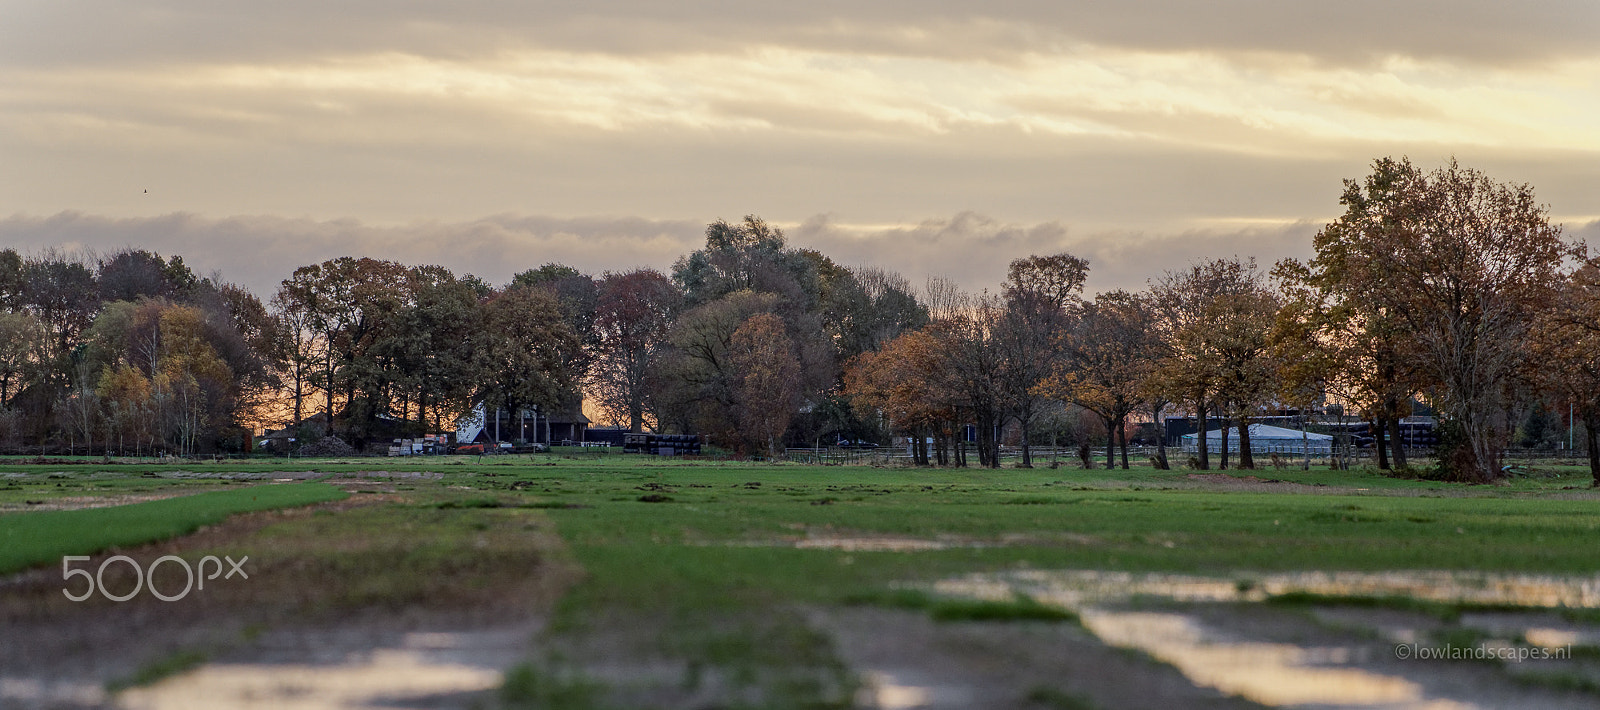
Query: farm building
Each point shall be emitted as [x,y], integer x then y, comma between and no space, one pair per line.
[529,425]
[1265,439]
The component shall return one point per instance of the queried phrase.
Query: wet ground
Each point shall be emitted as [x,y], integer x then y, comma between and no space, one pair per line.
[1159,641]
[436,629]
[1220,634]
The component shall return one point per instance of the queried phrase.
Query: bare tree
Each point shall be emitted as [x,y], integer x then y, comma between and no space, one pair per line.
[1042,296]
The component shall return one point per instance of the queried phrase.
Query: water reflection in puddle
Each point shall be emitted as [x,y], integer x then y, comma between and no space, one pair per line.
[885,692]
[1268,673]
[1075,588]
[426,665]
[33,692]
[1284,674]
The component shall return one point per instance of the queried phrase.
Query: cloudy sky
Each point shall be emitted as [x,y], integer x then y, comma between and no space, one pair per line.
[937,138]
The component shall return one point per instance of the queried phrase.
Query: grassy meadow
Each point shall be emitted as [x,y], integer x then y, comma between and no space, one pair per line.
[717,566]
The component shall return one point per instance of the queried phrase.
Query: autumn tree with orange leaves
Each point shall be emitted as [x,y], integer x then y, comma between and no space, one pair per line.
[766,389]
[1460,265]
[1566,348]
[903,383]
[1106,364]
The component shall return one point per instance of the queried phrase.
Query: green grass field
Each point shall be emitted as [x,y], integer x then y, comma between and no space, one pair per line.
[42,538]
[715,564]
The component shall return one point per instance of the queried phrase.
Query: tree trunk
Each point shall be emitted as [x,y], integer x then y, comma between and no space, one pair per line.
[1027,455]
[1591,437]
[1122,438]
[1223,430]
[1247,460]
[1111,442]
[1380,427]
[299,392]
[1398,444]
[988,443]
[1161,440]
[1305,443]
[328,392]
[1200,434]
[1481,438]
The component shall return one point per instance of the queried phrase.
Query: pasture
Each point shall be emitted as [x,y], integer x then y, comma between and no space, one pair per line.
[571,580]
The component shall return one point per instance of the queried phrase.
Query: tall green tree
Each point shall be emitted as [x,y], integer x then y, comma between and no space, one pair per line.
[524,347]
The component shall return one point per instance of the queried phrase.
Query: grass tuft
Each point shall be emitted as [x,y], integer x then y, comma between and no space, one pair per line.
[1052,698]
[527,687]
[469,503]
[158,670]
[1021,608]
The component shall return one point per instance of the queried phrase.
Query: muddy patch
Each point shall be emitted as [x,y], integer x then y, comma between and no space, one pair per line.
[815,539]
[84,502]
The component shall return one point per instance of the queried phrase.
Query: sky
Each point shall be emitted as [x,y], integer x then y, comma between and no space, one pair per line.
[935,138]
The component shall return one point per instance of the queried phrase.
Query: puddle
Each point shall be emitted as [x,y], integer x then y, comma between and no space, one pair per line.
[1077,588]
[883,691]
[425,665]
[877,544]
[32,692]
[1269,673]
[893,543]
[910,690]
[1356,674]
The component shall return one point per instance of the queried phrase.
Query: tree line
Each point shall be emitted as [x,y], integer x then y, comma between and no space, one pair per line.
[1443,287]
[743,341]
[1439,287]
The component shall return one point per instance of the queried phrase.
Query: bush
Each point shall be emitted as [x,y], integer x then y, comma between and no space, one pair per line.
[327,446]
